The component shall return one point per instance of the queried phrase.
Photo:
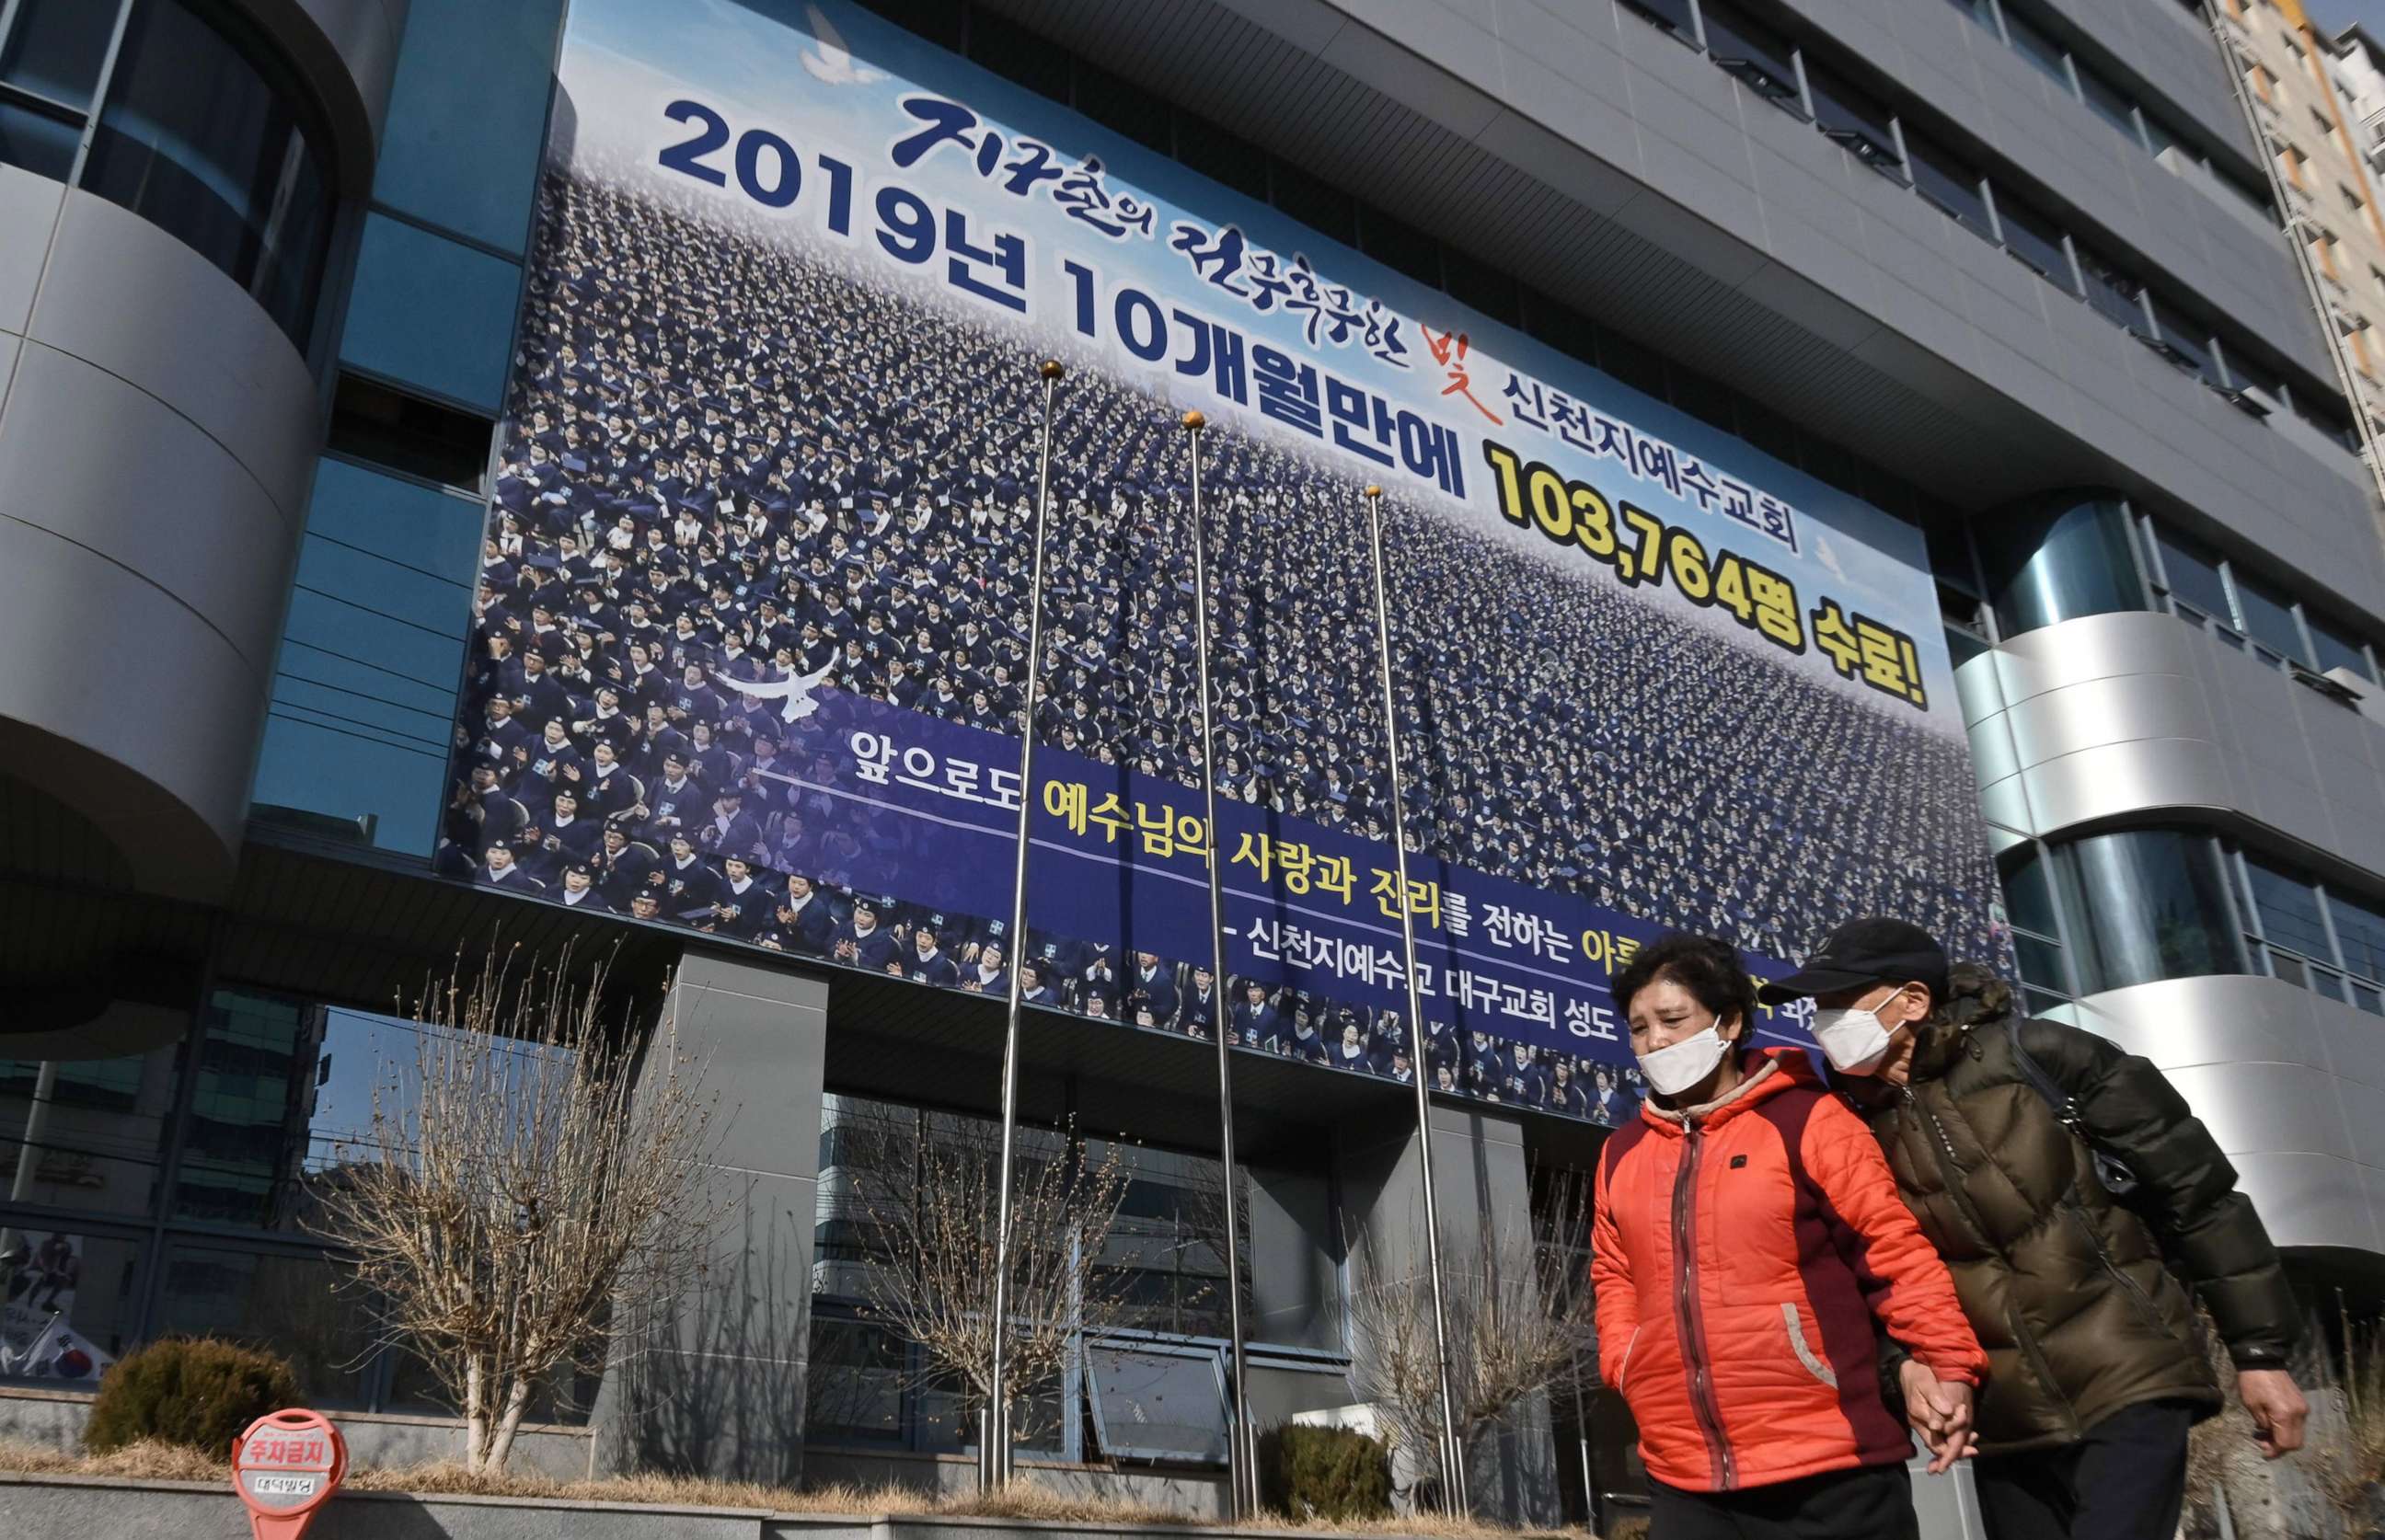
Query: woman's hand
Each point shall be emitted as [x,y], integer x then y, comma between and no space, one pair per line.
[1941,1413]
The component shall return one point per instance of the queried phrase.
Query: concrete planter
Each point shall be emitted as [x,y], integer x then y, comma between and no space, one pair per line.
[80,1508]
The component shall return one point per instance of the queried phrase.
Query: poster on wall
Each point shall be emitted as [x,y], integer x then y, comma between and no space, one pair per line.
[38,1340]
[752,631]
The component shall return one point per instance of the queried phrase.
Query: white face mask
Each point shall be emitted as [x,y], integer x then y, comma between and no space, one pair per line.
[1852,1038]
[1678,1066]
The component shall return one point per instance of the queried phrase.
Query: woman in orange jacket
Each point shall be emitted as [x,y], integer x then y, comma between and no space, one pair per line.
[1749,1249]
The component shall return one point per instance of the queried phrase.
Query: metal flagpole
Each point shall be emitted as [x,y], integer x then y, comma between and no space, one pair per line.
[1453,1457]
[996,1468]
[1241,1467]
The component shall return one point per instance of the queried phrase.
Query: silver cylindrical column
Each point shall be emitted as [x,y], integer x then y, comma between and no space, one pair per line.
[994,1464]
[1453,1453]
[1241,1447]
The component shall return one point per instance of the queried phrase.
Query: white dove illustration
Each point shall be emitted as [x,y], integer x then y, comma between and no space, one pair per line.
[829,62]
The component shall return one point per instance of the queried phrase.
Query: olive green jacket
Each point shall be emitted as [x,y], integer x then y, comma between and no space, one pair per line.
[2082,1302]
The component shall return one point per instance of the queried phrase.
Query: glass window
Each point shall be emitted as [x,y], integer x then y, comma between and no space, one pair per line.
[289,1305]
[2158,135]
[1673,14]
[2250,374]
[2360,927]
[1157,1405]
[2040,49]
[284,1090]
[246,1149]
[71,1302]
[853,1389]
[2328,419]
[2287,907]
[2189,339]
[55,49]
[2154,907]
[2109,101]
[2269,619]
[467,116]
[431,312]
[198,140]
[2368,999]
[38,141]
[2035,239]
[2338,649]
[2192,574]
[93,1129]
[2117,297]
[2061,559]
[1981,11]
[1949,184]
[1854,118]
[1752,51]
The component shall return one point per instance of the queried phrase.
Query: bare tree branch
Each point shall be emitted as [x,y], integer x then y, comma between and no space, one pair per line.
[1519,1312]
[516,1205]
[924,1196]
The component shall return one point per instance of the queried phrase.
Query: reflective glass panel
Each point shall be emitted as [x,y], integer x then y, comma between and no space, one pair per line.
[2057,561]
[1949,184]
[37,142]
[2117,297]
[2193,574]
[289,1305]
[201,143]
[2269,619]
[94,1128]
[57,46]
[2038,48]
[1671,14]
[2109,101]
[1854,117]
[853,1389]
[2029,895]
[2338,648]
[2188,337]
[2360,926]
[2153,907]
[71,1302]
[2035,239]
[1752,51]
[2288,906]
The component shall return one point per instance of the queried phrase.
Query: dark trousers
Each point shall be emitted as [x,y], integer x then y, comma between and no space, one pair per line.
[2125,1480]
[1870,1502]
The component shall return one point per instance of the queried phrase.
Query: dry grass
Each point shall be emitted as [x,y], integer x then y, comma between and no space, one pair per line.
[154,1461]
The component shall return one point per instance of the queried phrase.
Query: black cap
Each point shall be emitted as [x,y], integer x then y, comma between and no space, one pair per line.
[1874,949]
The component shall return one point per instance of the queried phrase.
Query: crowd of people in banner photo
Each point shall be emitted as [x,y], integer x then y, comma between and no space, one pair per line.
[728,460]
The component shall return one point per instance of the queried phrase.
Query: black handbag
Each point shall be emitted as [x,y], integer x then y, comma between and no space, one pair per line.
[2111,1171]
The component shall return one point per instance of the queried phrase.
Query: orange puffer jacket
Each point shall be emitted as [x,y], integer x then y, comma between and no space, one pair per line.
[1745,1256]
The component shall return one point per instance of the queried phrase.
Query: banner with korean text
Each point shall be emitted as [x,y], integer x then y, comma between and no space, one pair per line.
[752,638]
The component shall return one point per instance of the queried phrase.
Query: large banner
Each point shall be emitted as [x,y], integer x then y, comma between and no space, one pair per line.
[752,641]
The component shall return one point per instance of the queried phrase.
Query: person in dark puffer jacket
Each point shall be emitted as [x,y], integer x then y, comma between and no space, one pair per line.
[2084,1301]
